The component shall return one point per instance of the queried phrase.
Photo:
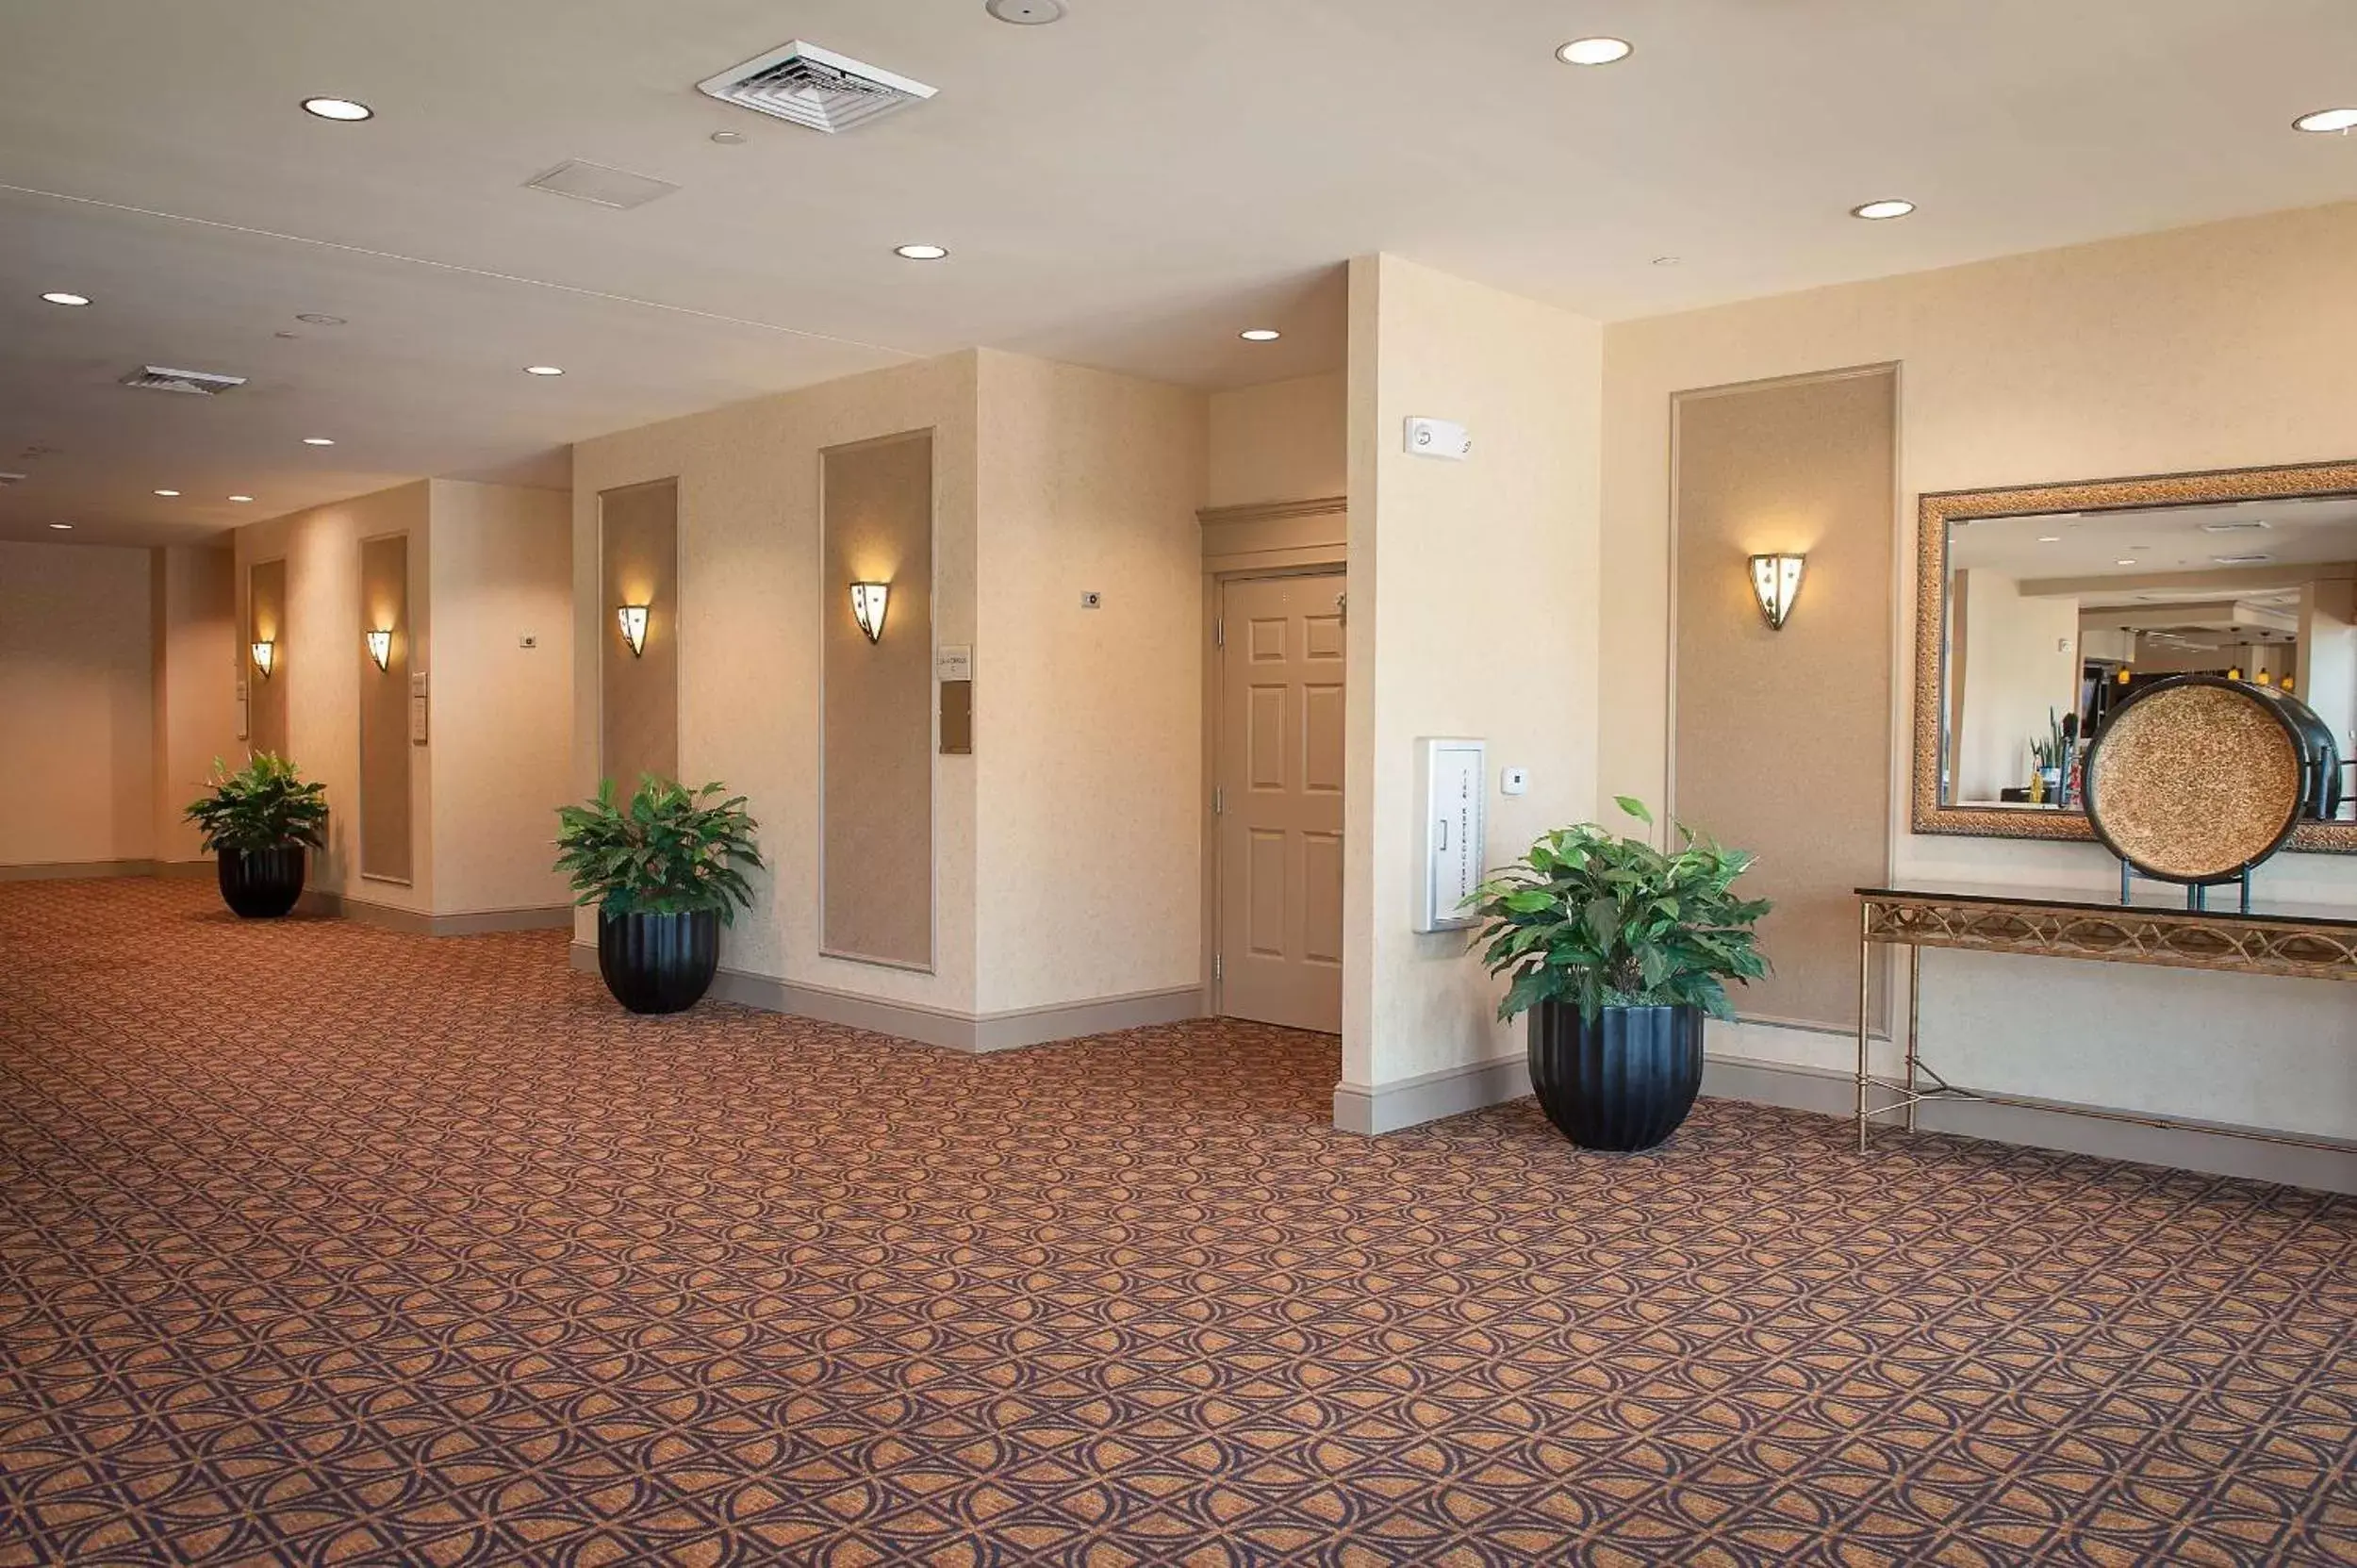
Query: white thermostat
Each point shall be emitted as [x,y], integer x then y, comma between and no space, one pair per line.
[1439,439]
[1452,786]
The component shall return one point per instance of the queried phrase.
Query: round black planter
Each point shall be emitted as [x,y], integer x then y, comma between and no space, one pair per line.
[658,963]
[261,885]
[1623,1082]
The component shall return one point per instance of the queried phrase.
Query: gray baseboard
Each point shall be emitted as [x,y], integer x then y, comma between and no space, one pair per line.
[1428,1097]
[2214,1151]
[177,870]
[971,1032]
[78,871]
[411,922]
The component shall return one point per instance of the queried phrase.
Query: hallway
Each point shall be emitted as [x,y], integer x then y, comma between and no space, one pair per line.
[321,1243]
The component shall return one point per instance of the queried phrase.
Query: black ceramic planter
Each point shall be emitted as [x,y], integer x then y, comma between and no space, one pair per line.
[658,963]
[261,885]
[1623,1082]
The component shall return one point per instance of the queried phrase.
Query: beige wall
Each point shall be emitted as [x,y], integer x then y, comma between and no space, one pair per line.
[2327,678]
[1793,466]
[1286,441]
[750,563]
[1472,612]
[320,657]
[1088,723]
[638,544]
[266,619]
[2020,673]
[876,756]
[388,847]
[502,726]
[2229,345]
[76,704]
[194,662]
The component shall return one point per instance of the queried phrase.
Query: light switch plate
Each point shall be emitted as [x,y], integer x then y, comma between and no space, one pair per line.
[1514,780]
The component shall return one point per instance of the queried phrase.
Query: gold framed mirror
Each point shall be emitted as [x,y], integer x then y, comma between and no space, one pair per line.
[2039,608]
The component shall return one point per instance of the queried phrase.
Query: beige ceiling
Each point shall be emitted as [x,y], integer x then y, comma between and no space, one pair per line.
[1127,187]
[2074,549]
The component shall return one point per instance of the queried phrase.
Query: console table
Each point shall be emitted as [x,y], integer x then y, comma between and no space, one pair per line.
[2312,943]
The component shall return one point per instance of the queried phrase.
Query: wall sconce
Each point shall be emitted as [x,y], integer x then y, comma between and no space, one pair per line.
[266,656]
[1776,583]
[867,607]
[381,647]
[633,619]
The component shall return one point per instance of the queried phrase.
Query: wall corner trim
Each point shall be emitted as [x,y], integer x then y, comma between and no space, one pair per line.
[1373,1108]
[974,1033]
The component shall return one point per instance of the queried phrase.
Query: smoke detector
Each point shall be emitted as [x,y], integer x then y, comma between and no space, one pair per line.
[1026,13]
[162,378]
[813,87]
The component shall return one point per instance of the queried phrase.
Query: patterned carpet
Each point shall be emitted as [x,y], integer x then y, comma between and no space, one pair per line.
[320,1245]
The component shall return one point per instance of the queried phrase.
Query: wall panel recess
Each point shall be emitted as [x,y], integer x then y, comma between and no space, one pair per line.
[266,621]
[1782,738]
[876,788]
[639,693]
[386,806]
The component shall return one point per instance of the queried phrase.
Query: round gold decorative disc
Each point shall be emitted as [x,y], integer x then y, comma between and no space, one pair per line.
[2194,783]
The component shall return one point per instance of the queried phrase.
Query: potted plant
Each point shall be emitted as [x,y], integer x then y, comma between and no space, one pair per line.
[1616,950]
[256,823]
[666,871]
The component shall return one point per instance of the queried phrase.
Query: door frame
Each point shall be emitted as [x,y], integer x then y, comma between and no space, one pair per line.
[1284,539]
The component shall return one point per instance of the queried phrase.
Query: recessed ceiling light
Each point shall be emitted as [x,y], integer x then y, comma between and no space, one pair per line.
[2124,562]
[1026,13]
[921,253]
[167,492]
[2327,120]
[61,297]
[241,498]
[2050,538]
[1594,51]
[62,527]
[321,318]
[1260,334]
[2250,560]
[1667,260]
[1890,207]
[729,139]
[319,441]
[337,109]
[544,370]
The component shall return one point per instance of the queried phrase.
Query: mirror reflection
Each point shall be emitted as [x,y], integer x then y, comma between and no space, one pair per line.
[2053,619]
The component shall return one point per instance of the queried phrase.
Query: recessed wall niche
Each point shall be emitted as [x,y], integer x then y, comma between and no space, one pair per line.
[638,691]
[1782,737]
[266,621]
[876,768]
[385,786]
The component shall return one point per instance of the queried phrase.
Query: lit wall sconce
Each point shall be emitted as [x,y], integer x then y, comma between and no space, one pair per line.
[867,607]
[266,656]
[1776,583]
[381,648]
[633,619]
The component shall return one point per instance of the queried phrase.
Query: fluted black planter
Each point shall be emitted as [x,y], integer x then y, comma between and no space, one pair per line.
[261,885]
[659,962]
[1623,1082]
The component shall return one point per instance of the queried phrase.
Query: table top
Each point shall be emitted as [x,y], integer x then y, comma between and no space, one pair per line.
[2147,899]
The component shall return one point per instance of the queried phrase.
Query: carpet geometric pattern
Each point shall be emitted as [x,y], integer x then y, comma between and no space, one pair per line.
[323,1245]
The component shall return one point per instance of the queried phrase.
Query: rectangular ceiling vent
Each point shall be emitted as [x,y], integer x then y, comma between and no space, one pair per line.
[162,378]
[2245,526]
[8,479]
[594,182]
[813,87]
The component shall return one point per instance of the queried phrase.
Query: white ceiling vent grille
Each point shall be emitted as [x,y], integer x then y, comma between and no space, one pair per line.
[162,378]
[813,87]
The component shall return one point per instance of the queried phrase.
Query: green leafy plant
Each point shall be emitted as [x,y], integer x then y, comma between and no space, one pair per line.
[1603,921]
[669,851]
[263,805]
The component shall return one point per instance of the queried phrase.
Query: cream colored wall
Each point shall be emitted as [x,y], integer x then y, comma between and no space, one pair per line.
[749,640]
[502,731]
[2327,679]
[1285,440]
[319,660]
[193,664]
[1472,612]
[2022,665]
[2229,345]
[1088,723]
[76,704]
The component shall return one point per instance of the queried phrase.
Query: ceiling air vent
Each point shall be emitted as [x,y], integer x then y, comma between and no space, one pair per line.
[813,87]
[162,378]
[594,182]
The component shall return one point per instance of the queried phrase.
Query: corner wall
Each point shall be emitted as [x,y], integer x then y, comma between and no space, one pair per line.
[1474,612]
[76,700]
